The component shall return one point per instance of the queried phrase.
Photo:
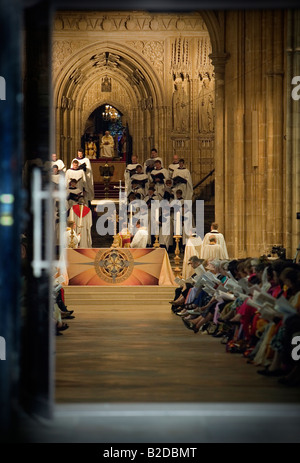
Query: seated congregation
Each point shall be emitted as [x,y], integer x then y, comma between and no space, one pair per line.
[251,305]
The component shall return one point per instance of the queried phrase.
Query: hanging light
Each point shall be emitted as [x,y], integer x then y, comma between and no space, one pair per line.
[110,113]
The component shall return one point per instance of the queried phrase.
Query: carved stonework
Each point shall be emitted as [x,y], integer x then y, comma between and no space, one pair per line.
[106,84]
[94,94]
[152,51]
[181,57]
[146,103]
[106,59]
[181,106]
[206,106]
[63,49]
[203,51]
[131,22]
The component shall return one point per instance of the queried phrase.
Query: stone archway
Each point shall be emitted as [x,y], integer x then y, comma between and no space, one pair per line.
[144,55]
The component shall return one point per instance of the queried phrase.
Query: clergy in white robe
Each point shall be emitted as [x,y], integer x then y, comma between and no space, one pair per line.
[56,176]
[76,174]
[107,146]
[182,180]
[82,216]
[59,163]
[212,250]
[193,247]
[140,179]
[219,237]
[130,171]
[85,165]
[140,238]
[173,165]
[158,176]
[149,163]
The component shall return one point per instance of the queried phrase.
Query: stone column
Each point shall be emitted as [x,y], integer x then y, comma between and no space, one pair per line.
[274,128]
[292,164]
[219,61]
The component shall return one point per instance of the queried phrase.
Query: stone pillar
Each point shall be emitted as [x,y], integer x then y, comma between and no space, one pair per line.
[292,163]
[274,132]
[219,61]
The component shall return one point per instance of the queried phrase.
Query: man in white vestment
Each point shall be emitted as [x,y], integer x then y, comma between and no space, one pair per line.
[149,163]
[130,171]
[74,173]
[219,237]
[85,165]
[213,250]
[59,163]
[82,216]
[193,247]
[182,180]
[158,176]
[140,179]
[173,165]
[56,175]
[140,238]
[107,146]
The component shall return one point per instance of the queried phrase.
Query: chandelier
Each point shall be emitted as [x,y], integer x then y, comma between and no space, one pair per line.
[110,113]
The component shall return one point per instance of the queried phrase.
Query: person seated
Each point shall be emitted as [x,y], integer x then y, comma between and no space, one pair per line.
[182,292]
[107,146]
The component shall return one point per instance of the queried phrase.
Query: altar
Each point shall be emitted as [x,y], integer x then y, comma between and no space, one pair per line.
[118,267]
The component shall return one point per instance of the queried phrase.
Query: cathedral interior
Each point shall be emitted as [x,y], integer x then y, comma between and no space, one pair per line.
[217,86]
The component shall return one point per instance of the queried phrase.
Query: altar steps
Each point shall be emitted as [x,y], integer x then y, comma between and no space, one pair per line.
[112,193]
[125,296]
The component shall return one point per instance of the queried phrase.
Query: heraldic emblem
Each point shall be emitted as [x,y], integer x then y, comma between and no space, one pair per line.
[114,265]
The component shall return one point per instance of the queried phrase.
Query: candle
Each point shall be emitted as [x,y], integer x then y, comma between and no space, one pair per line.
[80,219]
[115,223]
[156,221]
[130,208]
[177,224]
